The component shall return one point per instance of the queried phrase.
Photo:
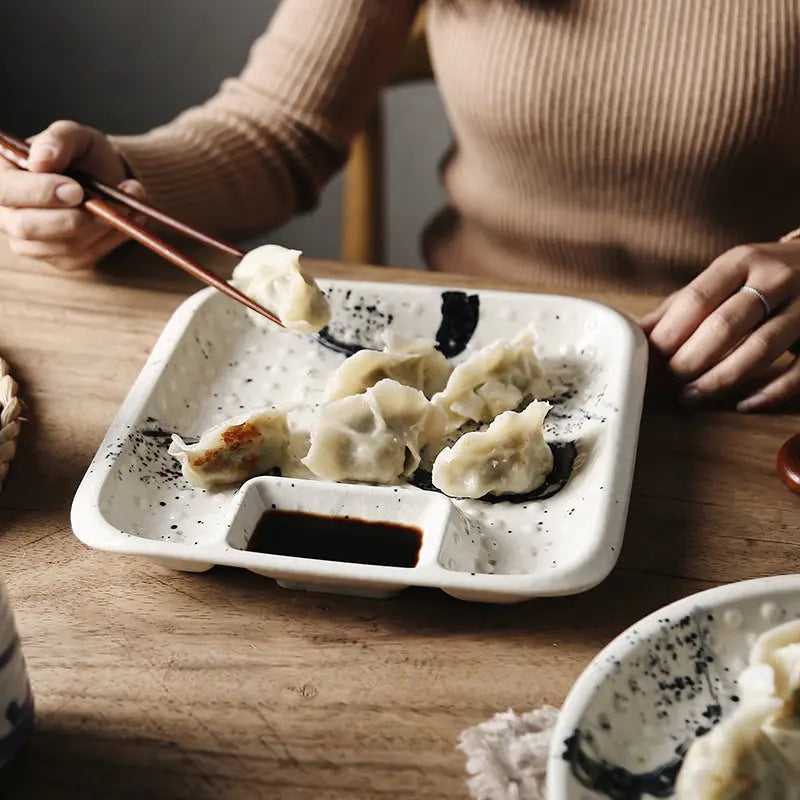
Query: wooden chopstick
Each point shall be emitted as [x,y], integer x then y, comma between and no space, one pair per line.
[17,152]
[117,195]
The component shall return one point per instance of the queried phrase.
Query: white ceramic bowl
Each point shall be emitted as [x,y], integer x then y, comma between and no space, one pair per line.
[656,687]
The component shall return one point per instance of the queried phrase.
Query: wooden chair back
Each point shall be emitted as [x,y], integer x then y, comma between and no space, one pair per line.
[363,192]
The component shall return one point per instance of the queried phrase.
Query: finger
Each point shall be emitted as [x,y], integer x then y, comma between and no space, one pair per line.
[698,299]
[38,224]
[87,258]
[723,329]
[56,147]
[133,187]
[46,224]
[58,248]
[21,189]
[782,388]
[757,351]
[649,320]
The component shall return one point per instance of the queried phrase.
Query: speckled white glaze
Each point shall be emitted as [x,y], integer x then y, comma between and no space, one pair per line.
[665,680]
[211,363]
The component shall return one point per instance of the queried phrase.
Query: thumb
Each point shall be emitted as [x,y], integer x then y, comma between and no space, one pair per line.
[649,321]
[55,148]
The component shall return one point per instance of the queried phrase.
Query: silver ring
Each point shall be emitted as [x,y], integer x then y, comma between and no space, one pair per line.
[760,295]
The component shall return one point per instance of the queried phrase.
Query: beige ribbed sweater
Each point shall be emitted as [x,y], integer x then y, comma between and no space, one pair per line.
[604,143]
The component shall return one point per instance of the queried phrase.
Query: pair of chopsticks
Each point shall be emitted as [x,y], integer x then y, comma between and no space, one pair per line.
[17,151]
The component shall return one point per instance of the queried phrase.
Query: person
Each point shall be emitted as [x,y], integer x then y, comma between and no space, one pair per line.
[618,144]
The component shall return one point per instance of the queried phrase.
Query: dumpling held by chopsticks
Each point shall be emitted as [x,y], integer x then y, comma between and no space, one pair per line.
[272,276]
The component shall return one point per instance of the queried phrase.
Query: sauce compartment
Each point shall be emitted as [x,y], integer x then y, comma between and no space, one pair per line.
[366,540]
[336,538]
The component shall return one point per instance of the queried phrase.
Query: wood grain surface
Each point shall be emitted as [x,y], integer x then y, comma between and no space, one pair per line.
[151,683]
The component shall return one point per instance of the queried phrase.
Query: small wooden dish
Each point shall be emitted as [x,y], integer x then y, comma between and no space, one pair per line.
[788,463]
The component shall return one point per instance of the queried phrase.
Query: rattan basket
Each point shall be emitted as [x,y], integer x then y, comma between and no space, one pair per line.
[10,419]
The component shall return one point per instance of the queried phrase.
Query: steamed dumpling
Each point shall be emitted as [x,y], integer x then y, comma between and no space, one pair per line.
[498,378]
[272,276]
[509,457]
[778,650]
[754,754]
[735,761]
[374,437]
[412,362]
[234,450]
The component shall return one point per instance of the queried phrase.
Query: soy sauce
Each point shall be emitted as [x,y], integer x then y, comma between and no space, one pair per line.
[346,539]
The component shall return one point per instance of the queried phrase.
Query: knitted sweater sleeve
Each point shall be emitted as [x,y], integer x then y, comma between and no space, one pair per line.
[261,149]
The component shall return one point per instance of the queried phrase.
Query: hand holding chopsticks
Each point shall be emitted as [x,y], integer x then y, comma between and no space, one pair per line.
[97,194]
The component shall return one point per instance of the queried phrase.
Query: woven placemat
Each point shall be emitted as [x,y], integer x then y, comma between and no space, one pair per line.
[10,419]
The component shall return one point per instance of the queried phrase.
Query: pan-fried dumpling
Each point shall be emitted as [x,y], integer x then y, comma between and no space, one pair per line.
[234,450]
[272,276]
[412,362]
[374,437]
[509,457]
[754,753]
[498,378]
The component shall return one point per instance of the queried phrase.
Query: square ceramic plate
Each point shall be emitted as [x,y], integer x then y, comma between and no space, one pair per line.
[211,363]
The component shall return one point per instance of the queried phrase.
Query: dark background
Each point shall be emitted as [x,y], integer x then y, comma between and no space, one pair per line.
[127,65]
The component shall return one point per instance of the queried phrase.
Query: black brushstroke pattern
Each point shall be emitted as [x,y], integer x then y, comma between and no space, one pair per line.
[615,782]
[564,454]
[327,339]
[460,314]
[157,433]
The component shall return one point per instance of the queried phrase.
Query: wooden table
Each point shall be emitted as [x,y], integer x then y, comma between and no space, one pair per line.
[152,683]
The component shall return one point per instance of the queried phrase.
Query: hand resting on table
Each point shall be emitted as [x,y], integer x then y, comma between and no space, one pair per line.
[716,336]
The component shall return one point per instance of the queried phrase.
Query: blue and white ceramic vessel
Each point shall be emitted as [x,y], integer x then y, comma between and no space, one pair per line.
[16,700]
